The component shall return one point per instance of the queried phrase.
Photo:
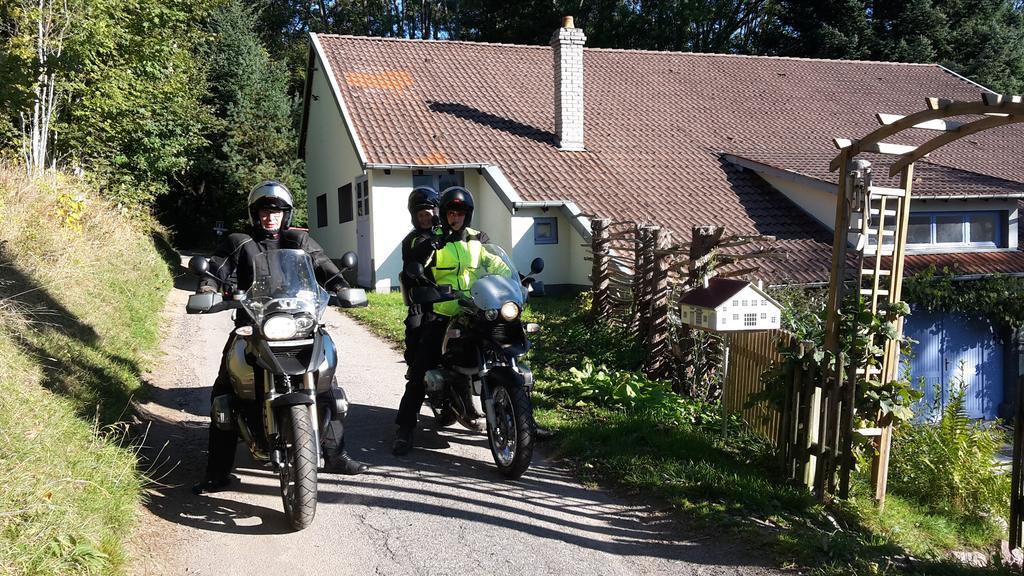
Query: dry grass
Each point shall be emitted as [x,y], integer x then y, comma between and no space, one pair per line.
[81,287]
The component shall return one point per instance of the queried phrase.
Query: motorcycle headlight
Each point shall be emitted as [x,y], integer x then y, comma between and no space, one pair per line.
[279,327]
[491,315]
[304,323]
[509,311]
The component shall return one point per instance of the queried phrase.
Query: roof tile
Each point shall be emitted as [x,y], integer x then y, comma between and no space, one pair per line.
[656,124]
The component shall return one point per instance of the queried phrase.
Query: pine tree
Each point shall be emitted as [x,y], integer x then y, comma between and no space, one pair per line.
[251,138]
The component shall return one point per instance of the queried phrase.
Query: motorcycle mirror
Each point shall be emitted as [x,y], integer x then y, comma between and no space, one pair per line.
[199,265]
[413,270]
[536,266]
[349,260]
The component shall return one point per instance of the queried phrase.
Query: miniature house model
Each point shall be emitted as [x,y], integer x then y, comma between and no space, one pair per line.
[729,306]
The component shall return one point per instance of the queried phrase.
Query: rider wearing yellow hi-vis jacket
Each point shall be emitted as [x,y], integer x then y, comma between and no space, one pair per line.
[459,258]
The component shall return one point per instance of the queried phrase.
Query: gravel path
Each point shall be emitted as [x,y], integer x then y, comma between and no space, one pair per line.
[443,509]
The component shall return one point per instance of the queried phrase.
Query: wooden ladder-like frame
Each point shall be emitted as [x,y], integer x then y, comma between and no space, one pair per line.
[880,281]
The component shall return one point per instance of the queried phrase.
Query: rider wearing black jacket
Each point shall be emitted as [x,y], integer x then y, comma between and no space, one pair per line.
[270,207]
[417,246]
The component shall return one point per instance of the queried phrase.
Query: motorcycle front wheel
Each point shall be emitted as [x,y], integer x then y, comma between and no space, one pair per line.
[511,434]
[298,474]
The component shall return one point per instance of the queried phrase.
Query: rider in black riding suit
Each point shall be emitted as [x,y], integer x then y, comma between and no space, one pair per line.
[270,208]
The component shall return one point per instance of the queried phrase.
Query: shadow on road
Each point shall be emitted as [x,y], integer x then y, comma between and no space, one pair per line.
[436,479]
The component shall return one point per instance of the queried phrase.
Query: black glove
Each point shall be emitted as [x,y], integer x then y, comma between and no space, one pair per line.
[438,242]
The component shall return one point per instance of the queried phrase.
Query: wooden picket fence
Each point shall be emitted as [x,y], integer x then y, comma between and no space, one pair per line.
[750,355]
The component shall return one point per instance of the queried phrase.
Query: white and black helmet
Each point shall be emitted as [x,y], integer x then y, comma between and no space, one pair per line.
[270,194]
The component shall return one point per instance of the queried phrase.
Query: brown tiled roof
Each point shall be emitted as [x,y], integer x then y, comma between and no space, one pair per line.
[656,124]
[930,180]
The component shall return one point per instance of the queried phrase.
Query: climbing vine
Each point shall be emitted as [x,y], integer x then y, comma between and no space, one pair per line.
[999,298]
[863,337]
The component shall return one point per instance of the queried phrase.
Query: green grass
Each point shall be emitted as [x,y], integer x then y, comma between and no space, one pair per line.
[724,484]
[79,322]
[385,316]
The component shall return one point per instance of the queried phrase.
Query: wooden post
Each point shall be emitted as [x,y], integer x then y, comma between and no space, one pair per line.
[657,342]
[644,280]
[833,381]
[703,240]
[600,306]
[1017,467]
[702,248]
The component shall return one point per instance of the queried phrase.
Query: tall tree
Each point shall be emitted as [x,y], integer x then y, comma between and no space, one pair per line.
[908,30]
[820,29]
[251,137]
[985,42]
[124,87]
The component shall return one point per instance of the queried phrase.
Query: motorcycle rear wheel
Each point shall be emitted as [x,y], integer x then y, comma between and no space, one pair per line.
[511,435]
[298,474]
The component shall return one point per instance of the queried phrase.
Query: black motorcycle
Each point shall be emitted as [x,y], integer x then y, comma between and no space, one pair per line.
[286,403]
[480,356]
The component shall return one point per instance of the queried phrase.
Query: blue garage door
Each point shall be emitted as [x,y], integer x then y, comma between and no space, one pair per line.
[943,342]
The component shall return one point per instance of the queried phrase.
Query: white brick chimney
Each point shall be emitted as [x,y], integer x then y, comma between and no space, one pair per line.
[567,49]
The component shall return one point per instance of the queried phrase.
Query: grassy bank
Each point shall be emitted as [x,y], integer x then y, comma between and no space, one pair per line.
[622,430]
[81,289]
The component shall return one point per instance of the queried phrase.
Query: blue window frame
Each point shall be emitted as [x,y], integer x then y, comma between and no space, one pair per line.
[983,229]
[545,230]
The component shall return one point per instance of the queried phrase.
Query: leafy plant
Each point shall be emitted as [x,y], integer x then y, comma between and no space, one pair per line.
[998,298]
[947,465]
[602,387]
[863,338]
[69,211]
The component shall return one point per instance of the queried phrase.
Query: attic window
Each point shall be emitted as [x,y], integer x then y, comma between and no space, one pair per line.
[982,229]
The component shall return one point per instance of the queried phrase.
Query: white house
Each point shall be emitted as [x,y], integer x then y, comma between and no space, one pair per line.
[548,136]
[727,305]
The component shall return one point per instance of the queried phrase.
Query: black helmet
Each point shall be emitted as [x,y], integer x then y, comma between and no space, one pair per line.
[421,198]
[456,198]
[270,194]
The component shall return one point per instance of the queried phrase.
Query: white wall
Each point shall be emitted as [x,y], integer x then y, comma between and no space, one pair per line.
[820,204]
[389,212]
[580,267]
[557,257]
[331,162]
[489,213]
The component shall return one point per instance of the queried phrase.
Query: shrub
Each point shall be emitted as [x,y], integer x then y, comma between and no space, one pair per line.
[631,391]
[948,465]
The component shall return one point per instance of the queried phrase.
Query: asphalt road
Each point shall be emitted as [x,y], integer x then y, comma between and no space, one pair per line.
[443,509]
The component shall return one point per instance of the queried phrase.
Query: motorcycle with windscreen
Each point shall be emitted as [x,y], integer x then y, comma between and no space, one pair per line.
[482,352]
[285,401]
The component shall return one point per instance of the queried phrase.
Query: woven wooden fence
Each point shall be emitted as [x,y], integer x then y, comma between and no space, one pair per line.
[637,268]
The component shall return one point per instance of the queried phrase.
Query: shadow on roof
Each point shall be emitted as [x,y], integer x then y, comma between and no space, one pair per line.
[770,211]
[492,121]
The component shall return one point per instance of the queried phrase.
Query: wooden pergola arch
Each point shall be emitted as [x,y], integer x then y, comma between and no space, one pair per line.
[865,212]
